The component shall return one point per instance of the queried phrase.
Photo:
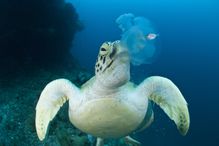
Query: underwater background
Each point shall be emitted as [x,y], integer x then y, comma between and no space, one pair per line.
[44,40]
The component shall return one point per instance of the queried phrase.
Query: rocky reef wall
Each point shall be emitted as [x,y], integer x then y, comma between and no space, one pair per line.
[36,32]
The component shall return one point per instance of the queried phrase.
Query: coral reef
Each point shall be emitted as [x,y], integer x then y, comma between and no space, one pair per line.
[36,32]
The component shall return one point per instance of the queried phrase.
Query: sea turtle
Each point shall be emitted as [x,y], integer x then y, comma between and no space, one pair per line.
[109,105]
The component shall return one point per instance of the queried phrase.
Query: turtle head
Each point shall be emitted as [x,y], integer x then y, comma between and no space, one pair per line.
[112,67]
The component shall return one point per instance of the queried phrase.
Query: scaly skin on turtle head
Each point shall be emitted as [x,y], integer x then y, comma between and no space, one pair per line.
[112,67]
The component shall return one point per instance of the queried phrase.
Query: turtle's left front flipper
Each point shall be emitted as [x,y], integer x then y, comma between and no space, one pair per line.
[165,94]
[53,96]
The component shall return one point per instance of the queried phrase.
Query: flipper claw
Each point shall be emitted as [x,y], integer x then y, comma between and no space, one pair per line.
[131,142]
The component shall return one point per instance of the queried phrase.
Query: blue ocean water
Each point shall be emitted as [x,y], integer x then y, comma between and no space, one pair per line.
[189,43]
[35,38]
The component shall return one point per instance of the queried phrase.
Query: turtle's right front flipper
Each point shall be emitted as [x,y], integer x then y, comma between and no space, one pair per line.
[53,96]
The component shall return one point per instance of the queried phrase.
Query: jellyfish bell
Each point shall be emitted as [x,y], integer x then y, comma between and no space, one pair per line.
[125,21]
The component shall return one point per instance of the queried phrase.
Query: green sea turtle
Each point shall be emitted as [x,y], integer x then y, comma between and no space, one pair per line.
[109,105]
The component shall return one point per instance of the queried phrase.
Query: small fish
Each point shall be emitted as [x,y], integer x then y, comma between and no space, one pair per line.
[151,36]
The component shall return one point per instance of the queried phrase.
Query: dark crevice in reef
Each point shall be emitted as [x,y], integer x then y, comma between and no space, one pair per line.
[36,33]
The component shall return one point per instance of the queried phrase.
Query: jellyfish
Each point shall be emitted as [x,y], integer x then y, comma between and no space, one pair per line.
[138,36]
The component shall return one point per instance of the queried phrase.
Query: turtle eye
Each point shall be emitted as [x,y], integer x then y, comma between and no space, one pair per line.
[102,49]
